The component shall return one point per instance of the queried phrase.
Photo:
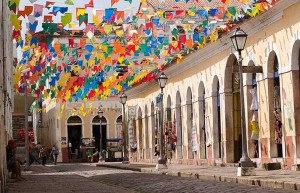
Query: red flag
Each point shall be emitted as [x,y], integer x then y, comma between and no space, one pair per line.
[180,13]
[182,38]
[91,4]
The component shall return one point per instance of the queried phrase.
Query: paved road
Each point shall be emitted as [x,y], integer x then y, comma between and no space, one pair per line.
[84,178]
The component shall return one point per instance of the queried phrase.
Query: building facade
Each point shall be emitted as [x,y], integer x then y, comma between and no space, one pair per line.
[67,125]
[6,88]
[201,98]
[69,121]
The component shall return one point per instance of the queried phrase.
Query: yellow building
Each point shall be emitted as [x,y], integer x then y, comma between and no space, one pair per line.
[7,55]
[70,126]
[202,91]
[201,100]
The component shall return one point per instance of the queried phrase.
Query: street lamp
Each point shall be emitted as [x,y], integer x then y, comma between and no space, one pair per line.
[100,114]
[123,98]
[39,123]
[239,39]
[24,72]
[162,80]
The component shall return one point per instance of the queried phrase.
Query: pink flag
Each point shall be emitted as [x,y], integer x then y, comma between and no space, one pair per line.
[100,14]
[38,10]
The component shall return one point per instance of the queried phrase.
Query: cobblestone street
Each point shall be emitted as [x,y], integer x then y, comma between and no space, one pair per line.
[66,178]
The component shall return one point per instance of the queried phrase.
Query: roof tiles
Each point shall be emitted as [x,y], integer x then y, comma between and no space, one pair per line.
[172,5]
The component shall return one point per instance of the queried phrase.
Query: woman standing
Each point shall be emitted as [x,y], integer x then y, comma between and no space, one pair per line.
[54,153]
[43,154]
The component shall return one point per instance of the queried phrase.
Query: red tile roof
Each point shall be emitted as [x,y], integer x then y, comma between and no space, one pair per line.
[171,5]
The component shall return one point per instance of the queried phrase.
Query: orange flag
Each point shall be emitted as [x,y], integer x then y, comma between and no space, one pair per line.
[48,18]
[57,48]
[82,42]
[120,15]
[114,1]
[74,31]
[49,3]
[189,43]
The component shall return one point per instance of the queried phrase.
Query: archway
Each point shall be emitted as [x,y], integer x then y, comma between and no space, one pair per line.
[74,124]
[146,133]
[274,98]
[296,87]
[153,128]
[202,119]
[237,124]
[169,110]
[179,146]
[252,114]
[118,126]
[140,133]
[96,131]
[189,108]
[217,129]
[233,132]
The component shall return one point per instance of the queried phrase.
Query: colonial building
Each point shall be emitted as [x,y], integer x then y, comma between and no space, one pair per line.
[6,87]
[203,93]
[66,123]
[62,127]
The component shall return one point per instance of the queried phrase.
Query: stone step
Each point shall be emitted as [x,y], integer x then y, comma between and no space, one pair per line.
[272,166]
[296,167]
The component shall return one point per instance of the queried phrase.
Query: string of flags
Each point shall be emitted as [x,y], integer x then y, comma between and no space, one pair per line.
[94,54]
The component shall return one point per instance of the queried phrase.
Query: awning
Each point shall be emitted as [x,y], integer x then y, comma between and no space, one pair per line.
[114,140]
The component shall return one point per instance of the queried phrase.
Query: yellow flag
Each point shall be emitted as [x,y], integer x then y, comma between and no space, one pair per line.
[175,44]
[72,25]
[107,29]
[95,20]
[214,36]
[119,33]
[120,59]
[80,11]
[164,52]
[160,12]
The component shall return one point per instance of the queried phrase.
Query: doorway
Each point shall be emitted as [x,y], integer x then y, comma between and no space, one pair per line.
[74,127]
[237,126]
[74,136]
[96,135]
[96,132]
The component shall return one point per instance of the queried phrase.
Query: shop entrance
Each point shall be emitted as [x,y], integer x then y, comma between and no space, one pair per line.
[74,136]
[74,133]
[96,135]
[237,115]
[96,132]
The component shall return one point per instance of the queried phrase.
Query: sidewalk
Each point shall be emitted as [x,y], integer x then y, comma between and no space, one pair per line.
[62,178]
[284,179]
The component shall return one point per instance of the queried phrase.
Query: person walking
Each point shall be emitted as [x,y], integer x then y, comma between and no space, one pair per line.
[30,148]
[43,155]
[38,148]
[54,153]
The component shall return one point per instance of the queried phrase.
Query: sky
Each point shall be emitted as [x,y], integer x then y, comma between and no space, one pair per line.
[98,4]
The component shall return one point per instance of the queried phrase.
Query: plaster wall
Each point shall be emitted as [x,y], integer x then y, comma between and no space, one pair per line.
[274,38]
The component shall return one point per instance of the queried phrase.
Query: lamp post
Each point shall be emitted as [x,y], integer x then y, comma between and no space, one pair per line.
[123,98]
[26,130]
[239,39]
[39,124]
[162,80]
[100,114]
[26,119]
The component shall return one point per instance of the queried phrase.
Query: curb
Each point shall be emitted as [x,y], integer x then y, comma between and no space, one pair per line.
[236,180]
